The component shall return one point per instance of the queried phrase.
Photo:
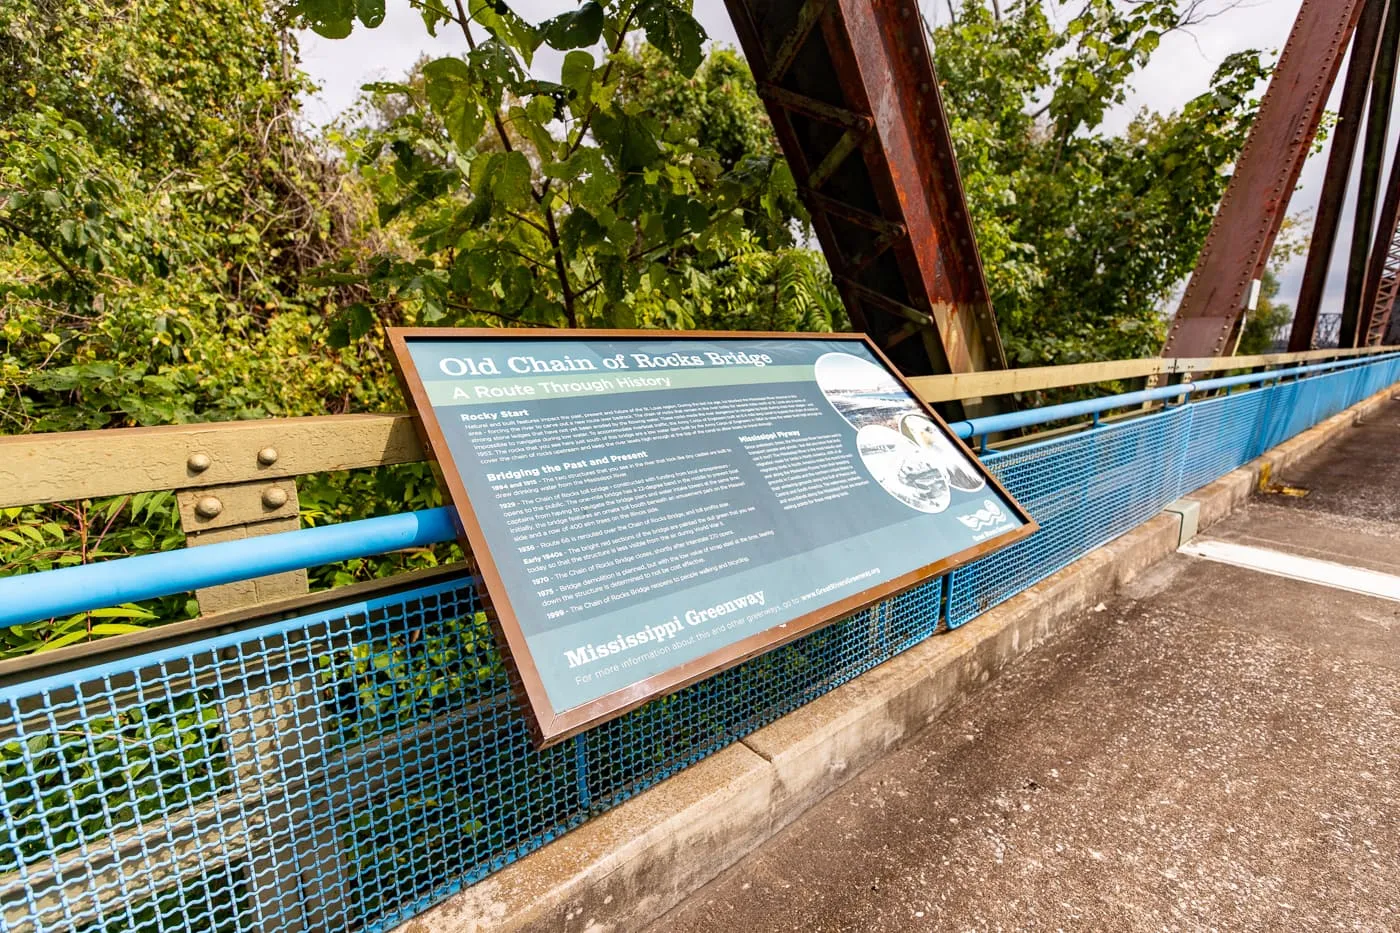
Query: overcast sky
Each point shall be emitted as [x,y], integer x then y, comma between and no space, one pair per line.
[1179,70]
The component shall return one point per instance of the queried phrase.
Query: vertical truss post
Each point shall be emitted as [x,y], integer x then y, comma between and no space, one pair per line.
[1379,291]
[851,90]
[1334,185]
[1378,324]
[1364,259]
[1391,336]
[1243,232]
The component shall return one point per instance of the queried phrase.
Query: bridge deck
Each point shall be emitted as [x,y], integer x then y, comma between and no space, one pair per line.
[1215,747]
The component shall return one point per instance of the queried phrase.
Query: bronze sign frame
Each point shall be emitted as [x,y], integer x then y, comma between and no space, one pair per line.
[549,726]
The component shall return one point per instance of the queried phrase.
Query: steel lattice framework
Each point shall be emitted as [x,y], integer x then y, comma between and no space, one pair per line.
[1243,232]
[851,90]
[1386,289]
[1374,262]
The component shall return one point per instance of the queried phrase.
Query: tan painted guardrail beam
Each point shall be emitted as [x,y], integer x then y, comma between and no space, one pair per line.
[38,468]
[1008,381]
[1206,364]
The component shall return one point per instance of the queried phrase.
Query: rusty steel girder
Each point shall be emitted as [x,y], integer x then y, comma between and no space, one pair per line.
[1378,326]
[851,90]
[1367,325]
[1365,259]
[1350,116]
[1266,172]
[1378,297]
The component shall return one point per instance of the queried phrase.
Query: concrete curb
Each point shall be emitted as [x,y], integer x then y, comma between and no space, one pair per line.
[630,865]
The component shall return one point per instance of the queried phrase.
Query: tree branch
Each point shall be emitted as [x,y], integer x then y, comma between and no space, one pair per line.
[15,228]
[495,112]
[550,229]
[496,314]
[471,44]
[589,287]
[530,259]
[529,221]
[570,314]
[587,118]
[419,5]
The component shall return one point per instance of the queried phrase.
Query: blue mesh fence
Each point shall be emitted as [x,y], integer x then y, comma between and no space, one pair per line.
[349,767]
[1222,434]
[1089,488]
[345,769]
[1084,490]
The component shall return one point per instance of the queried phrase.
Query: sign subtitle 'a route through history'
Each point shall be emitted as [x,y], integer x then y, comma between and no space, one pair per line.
[646,510]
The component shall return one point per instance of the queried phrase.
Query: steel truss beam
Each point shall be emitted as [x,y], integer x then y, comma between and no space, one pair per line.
[851,90]
[1392,332]
[1245,226]
[1378,298]
[1379,324]
[1363,266]
[1334,186]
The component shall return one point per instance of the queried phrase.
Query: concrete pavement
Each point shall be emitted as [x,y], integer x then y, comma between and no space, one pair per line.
[1214,748]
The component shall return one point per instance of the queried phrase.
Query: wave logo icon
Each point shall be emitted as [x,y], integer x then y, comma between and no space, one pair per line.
[990,514]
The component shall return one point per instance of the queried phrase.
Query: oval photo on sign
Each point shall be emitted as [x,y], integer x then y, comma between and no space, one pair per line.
[902,469]
[861,392]
[923,432]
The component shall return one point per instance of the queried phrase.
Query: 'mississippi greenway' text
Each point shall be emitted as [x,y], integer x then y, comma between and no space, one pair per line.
[586,654]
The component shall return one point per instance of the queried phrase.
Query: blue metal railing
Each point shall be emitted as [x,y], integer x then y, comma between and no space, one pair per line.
[348,767]
[70,590]
[995,424]
[1088,488]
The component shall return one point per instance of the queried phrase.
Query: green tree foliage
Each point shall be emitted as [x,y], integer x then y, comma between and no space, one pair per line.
[638,187]
[159,209]
[168,82]
[1084,233]
[1265,326]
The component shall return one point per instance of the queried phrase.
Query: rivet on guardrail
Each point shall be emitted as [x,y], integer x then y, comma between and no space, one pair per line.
[198,463]
[208,507]
[267,456]
[274,497]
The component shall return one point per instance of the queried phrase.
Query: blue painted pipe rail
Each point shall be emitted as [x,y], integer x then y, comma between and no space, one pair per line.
[995,424]
[64,592]
[71,590]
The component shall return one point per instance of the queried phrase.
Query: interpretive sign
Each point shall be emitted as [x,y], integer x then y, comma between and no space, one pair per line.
[646,509]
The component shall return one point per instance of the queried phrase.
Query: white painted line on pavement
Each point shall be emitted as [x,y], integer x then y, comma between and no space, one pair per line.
[1307,569]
